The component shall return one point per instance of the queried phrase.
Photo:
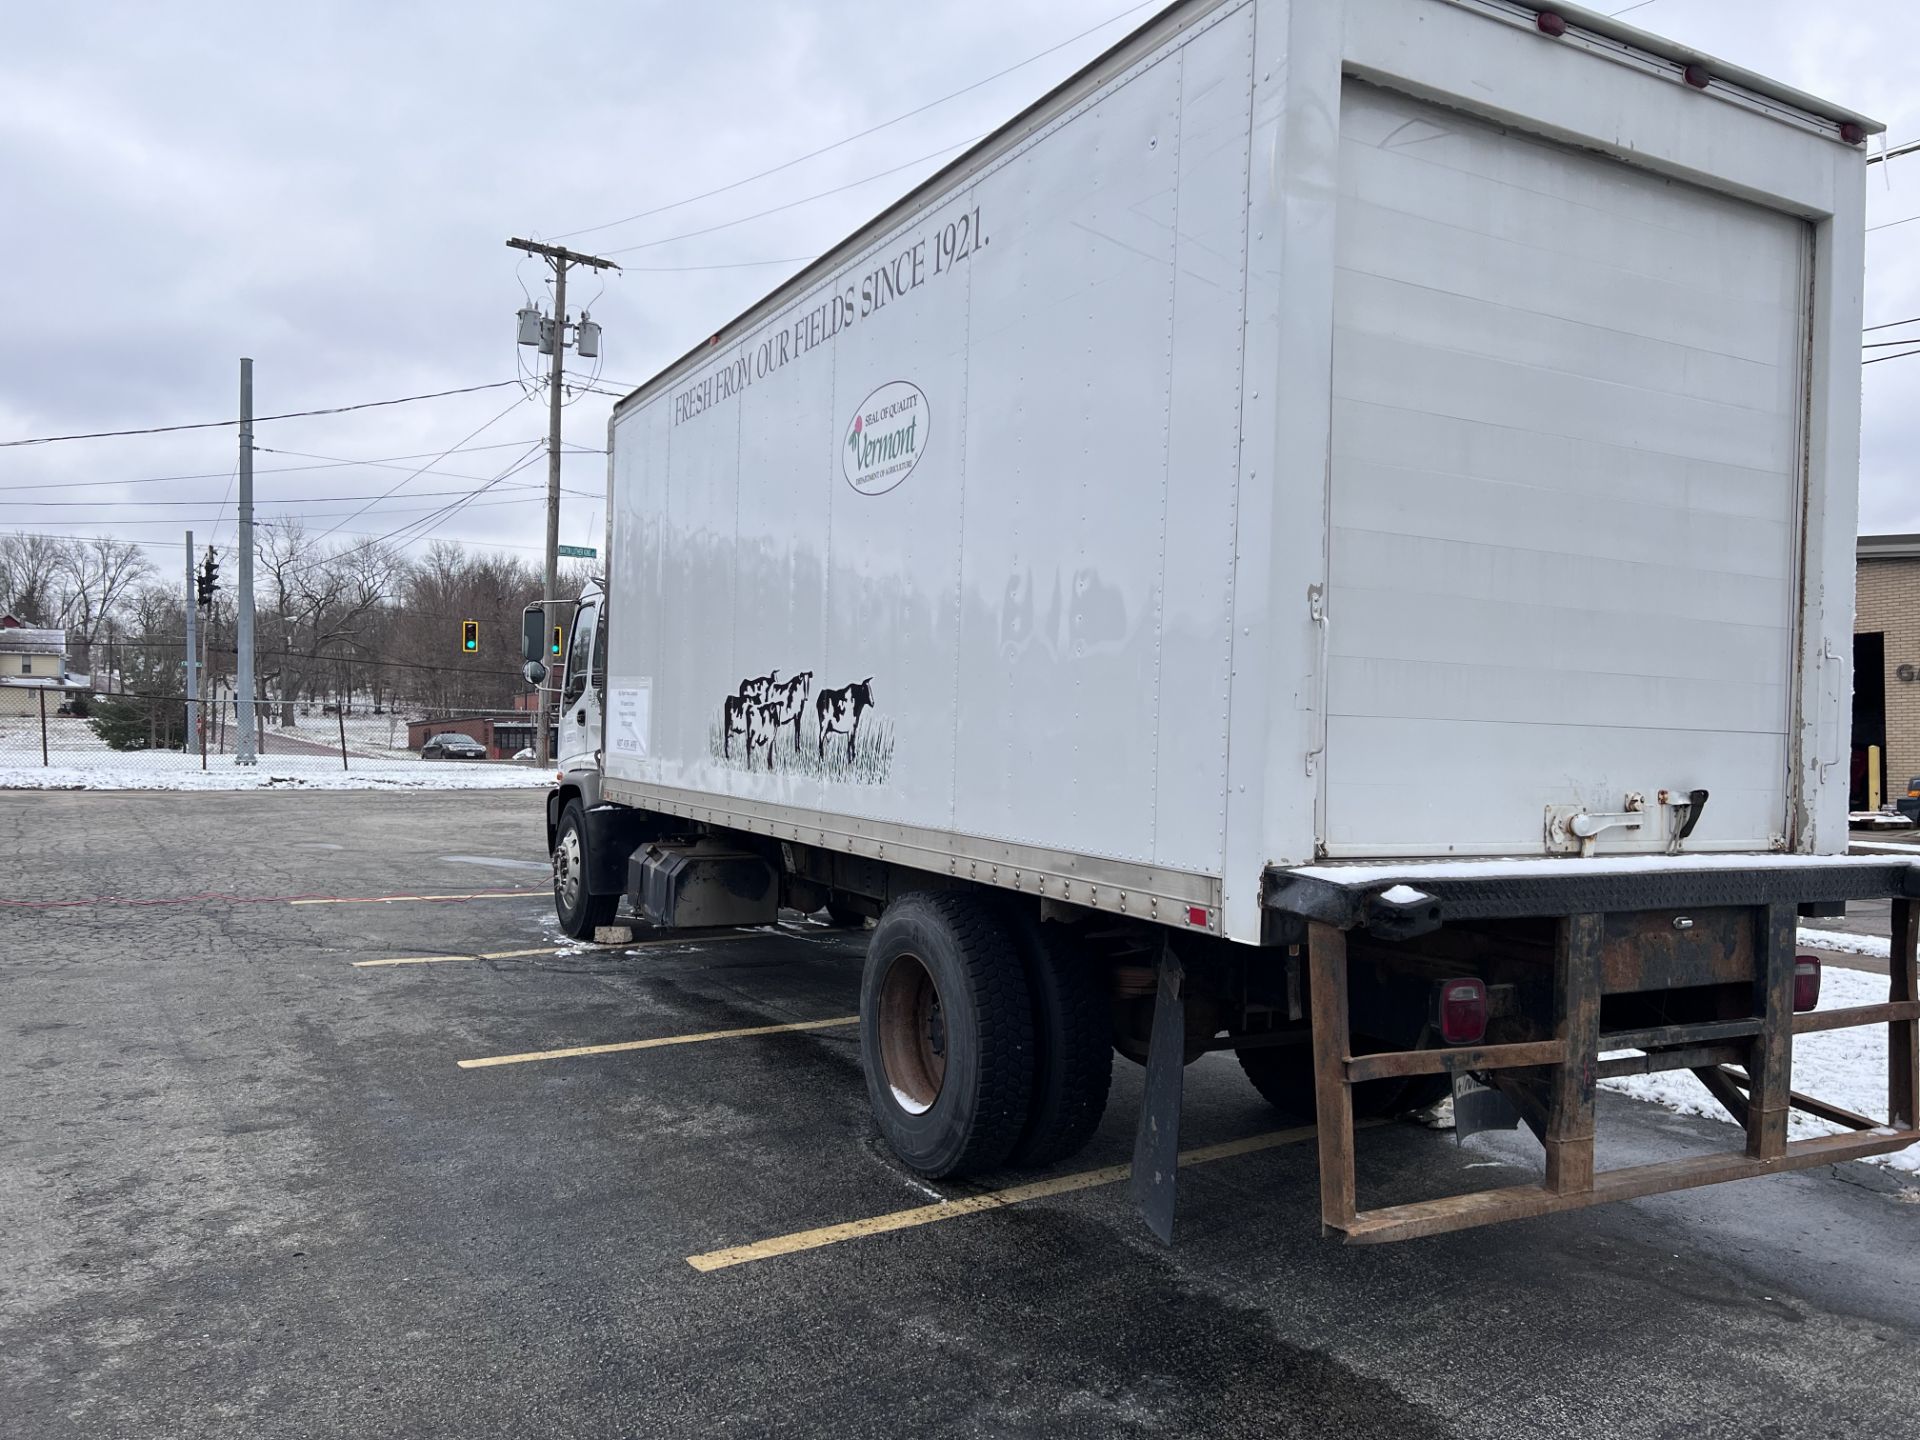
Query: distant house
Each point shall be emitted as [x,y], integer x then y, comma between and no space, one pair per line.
[31,660]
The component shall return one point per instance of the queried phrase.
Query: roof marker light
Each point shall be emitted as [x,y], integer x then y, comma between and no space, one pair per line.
[1551,24]
[1696,76]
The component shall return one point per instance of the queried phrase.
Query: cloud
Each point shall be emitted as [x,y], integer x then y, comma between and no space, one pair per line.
[328,189]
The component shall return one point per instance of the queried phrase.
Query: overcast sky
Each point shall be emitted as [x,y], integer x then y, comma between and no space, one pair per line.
[328,189]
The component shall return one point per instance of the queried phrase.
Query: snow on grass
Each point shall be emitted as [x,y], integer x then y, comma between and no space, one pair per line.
[171,770]
[1847,1068]
[1846,944]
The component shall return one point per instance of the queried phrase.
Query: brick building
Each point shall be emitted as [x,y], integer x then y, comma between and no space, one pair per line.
[505,734]
[1886,663]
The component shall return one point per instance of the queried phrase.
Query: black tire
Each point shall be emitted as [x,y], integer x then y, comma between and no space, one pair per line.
[580,911]
[946,1033]
[1283,1074]
[1072,1044]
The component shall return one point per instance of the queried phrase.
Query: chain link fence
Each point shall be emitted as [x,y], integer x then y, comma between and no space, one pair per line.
[54,737]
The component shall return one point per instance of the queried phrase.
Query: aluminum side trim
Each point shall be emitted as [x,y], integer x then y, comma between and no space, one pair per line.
[1144,892]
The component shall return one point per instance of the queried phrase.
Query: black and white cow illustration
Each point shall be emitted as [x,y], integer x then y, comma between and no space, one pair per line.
[840,711]
[790,699]
[763,723]
[755,690]
[758,687]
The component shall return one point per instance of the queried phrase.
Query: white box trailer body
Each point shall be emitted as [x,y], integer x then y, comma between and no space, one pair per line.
[1329,538]
[1318,430]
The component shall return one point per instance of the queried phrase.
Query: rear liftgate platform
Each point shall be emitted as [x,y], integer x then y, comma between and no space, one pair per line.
[1616,930]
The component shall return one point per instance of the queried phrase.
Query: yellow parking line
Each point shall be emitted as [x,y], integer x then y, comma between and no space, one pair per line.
[577,1050]
[582,948]
[438,959]
[974,1204]
[392,899]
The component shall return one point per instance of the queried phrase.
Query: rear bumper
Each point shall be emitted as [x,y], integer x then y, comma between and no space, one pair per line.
[1448,891]
[1744,1062]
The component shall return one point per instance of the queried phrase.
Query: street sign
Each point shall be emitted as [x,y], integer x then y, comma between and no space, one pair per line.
[580,552]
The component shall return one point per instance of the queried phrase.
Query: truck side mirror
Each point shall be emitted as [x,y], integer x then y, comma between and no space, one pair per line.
[535,672]
[533,634]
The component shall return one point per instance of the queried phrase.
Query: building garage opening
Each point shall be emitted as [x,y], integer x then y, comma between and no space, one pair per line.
[1869,722]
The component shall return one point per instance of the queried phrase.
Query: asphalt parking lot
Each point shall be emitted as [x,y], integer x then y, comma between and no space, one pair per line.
[247,1188]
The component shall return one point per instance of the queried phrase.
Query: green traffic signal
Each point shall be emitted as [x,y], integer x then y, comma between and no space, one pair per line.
[469,635]
[556,640]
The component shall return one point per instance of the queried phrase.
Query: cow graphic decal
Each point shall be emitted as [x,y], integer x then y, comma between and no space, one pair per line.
[840,711]
[759,728]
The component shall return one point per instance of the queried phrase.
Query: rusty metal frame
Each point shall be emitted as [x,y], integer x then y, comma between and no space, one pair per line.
[1759,1096]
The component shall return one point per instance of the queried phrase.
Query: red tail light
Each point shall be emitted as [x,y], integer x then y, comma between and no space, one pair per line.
[1806,981]
[1463,1011]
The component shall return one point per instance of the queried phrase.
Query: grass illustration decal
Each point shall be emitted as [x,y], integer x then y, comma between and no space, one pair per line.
[870,764]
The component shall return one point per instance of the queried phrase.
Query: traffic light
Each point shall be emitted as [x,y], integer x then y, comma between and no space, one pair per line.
[469,636]
[208,580]
[556,640]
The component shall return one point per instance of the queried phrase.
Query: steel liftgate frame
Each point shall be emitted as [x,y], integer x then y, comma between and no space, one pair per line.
[1759,1095]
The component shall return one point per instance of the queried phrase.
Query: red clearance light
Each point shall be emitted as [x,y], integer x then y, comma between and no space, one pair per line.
[1696,76]
[1853,133]
[1551,24]
[1463,1011]
[1806,981]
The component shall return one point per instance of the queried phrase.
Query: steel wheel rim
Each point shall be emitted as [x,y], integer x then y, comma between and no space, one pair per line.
[566,869]
[913,1034]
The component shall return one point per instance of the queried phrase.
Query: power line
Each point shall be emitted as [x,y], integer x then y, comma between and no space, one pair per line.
[803,200]
[405,479]
[1889,224]
[317,499]
[278,517]
[1875,360]
[1890,324]
[333,463]
[286,415]
[861,135]
[1906,147]
[734,265]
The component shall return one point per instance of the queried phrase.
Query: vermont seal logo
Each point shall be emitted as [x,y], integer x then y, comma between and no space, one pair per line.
[886,439]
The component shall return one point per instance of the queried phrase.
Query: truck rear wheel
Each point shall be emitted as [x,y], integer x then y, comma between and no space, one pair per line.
[581,912]
[1283,1074]
[1072,1043]
[946,1033]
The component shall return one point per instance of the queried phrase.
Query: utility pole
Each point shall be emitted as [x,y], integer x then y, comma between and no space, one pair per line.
[193,658]
[243,742]
[559,257]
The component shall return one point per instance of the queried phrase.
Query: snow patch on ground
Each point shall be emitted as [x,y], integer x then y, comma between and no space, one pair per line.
[1846,944]
[168,770]
[1847,1068]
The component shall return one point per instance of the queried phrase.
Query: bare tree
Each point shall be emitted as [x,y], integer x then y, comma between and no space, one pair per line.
[317,609]
[96,577]
[29,576]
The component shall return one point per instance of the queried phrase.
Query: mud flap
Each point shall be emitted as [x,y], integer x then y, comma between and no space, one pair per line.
[1156,1143]
[1476,1107]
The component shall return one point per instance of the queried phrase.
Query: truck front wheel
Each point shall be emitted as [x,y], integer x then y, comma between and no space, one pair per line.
[581,912]
[946,1033]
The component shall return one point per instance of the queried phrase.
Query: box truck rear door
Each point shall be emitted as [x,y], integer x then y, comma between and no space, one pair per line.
[1567,414]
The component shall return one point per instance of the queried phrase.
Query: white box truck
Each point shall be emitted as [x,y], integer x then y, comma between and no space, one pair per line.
[1330,537]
